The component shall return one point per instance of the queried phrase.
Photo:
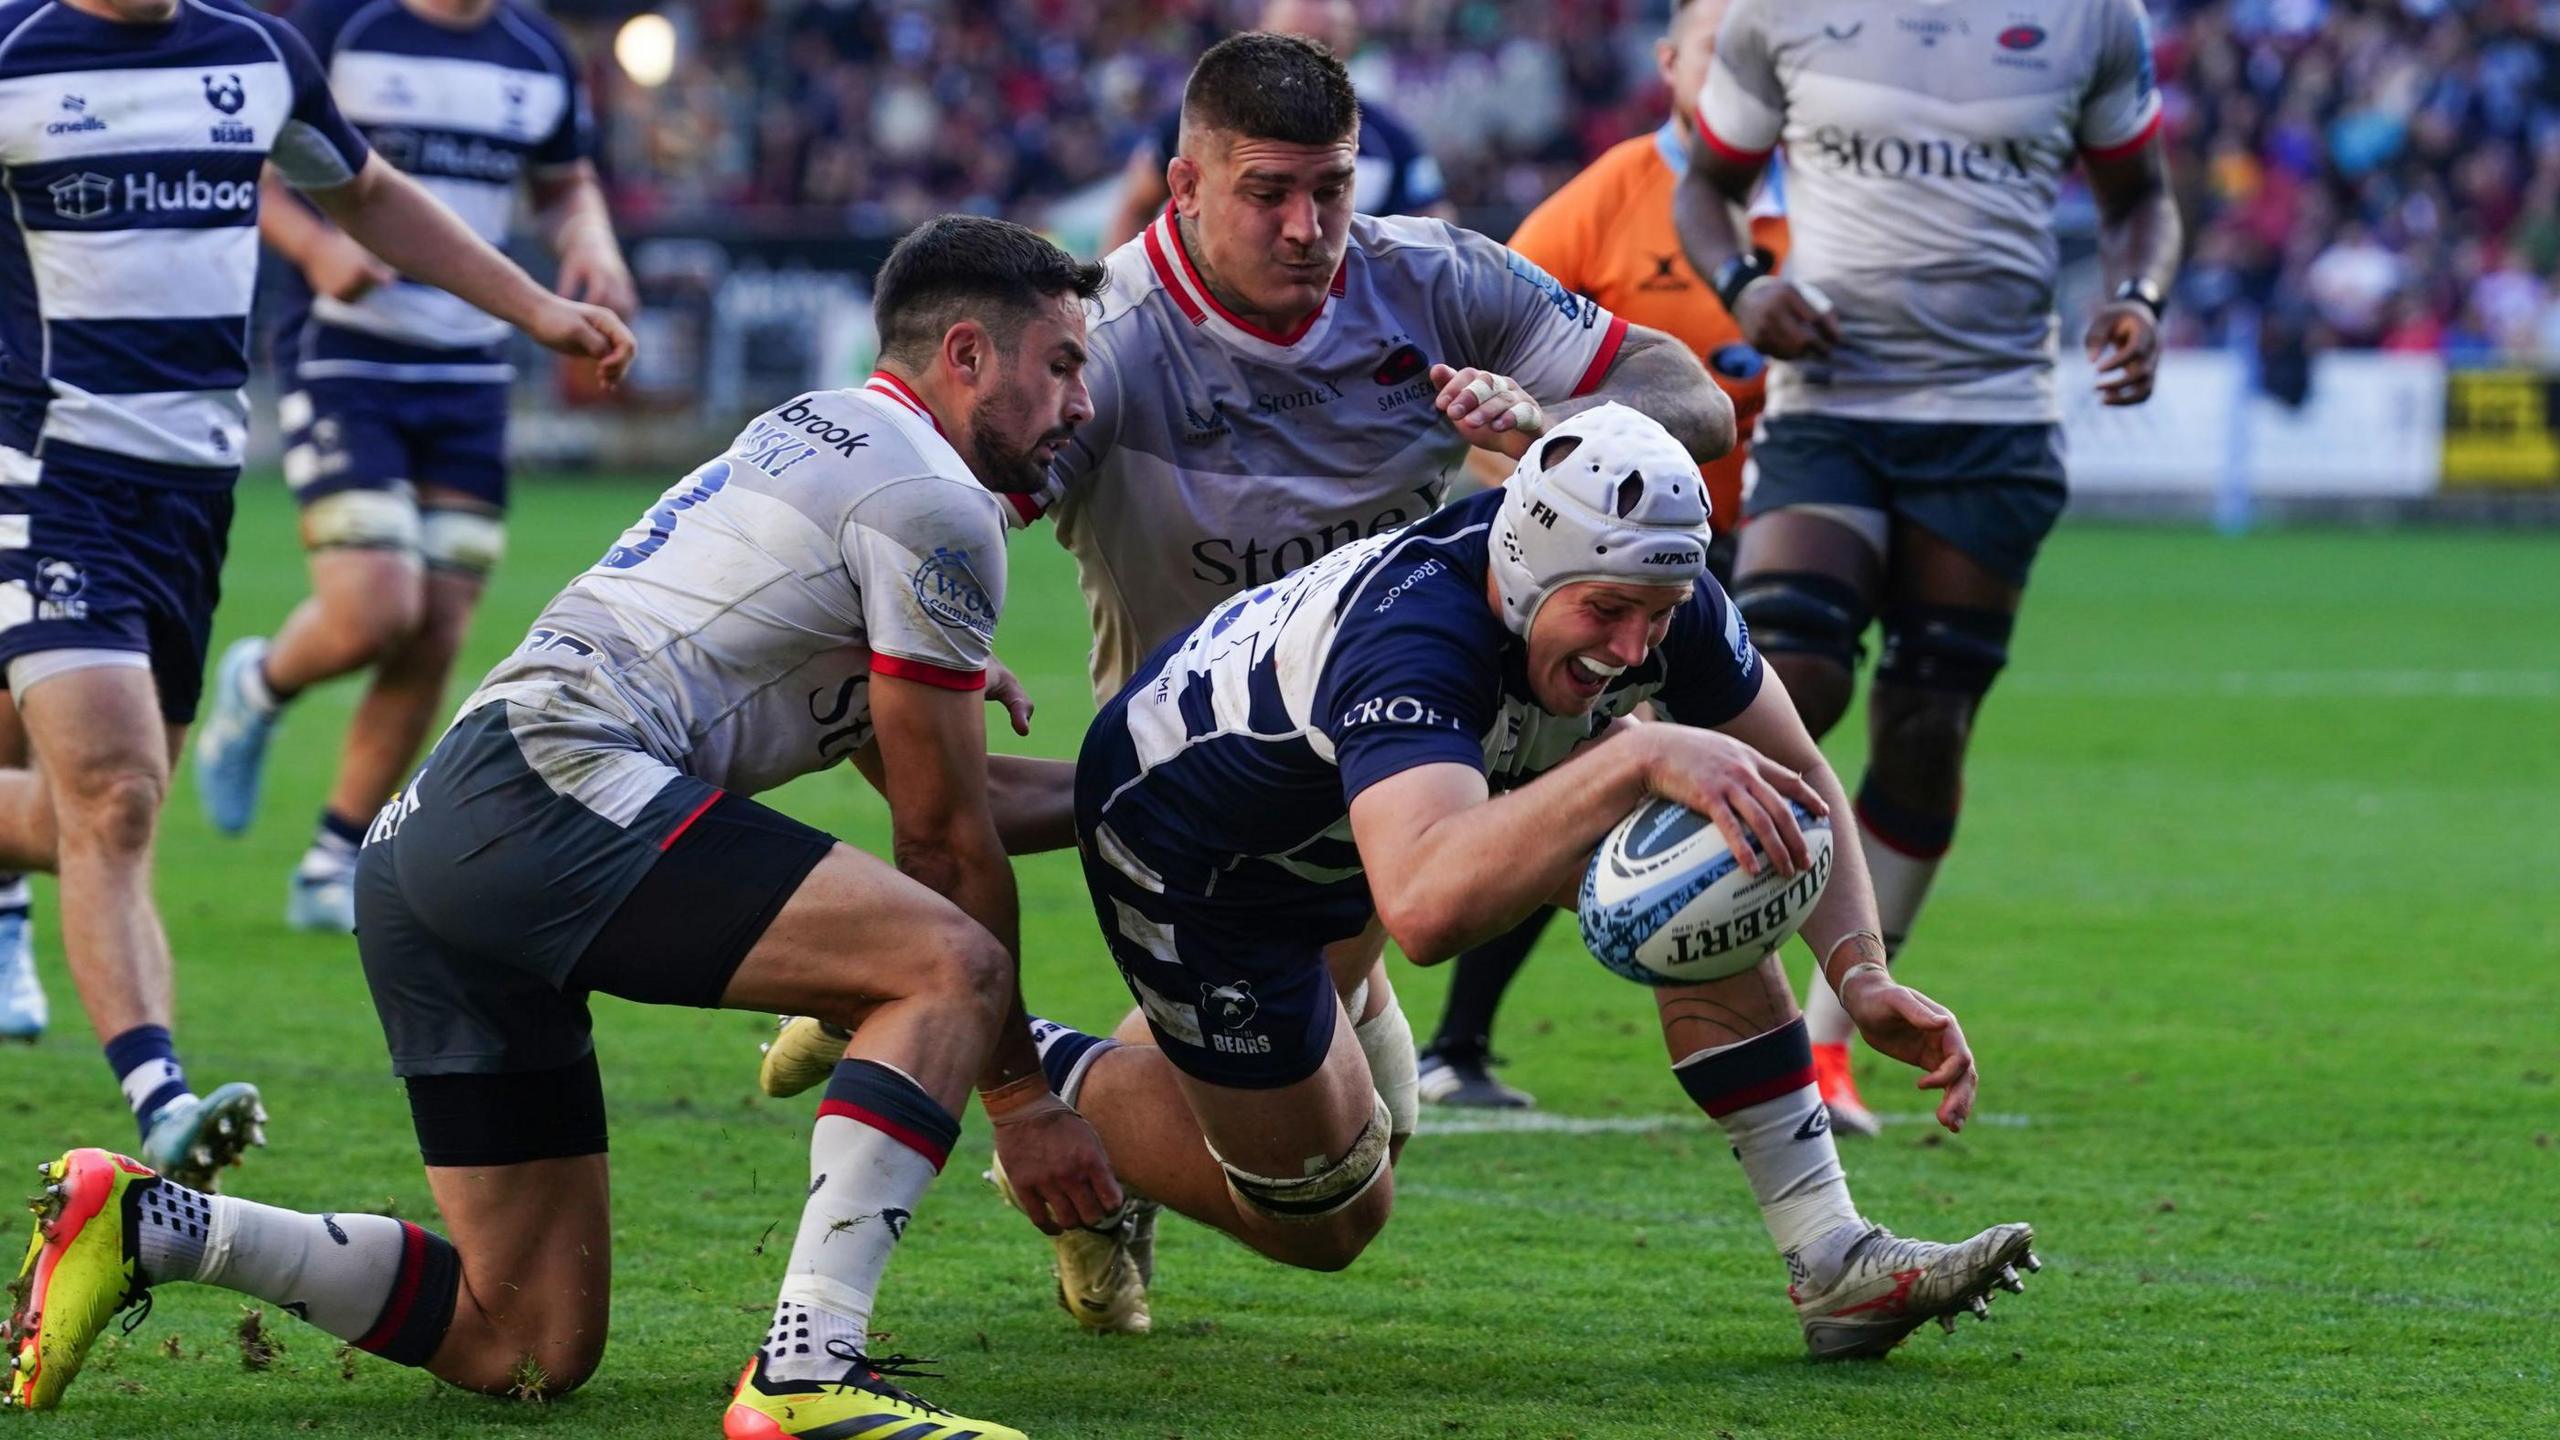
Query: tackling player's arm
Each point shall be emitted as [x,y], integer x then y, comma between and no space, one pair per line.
[1663,378]
[394,217]
[932,768]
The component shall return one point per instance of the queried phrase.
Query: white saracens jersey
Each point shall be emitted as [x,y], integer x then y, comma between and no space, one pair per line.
[1926,144]
[1222,456]
[732,632]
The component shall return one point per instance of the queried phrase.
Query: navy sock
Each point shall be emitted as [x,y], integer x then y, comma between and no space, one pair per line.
[145,1060]
[1066,1055]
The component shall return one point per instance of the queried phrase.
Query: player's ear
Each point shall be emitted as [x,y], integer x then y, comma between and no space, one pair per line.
[1666,60]
[1183,176]
[970,352]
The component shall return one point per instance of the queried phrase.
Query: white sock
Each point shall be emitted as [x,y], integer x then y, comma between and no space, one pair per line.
[1825,1021]
[335,1271]
[1902,887]
[254,688]
[1761,1091]
[878,1143]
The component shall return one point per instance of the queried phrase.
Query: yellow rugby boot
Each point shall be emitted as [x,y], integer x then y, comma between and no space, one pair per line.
[78,1273]
[801,1055]
[864,1405]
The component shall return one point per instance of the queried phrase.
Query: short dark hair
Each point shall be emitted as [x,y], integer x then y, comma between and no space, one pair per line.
[968,267]
[1264,86]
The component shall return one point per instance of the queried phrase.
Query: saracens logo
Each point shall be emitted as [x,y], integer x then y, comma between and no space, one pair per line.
[2022,37]
[1403,365]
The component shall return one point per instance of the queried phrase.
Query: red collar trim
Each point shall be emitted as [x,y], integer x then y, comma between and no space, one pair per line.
[884,383]
[1197,287]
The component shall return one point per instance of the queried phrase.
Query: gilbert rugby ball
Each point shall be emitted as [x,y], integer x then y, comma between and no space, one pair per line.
[1666,903]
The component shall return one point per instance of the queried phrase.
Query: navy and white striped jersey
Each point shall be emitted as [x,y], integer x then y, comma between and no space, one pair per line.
[1225,770]
[131,155]
[467,113]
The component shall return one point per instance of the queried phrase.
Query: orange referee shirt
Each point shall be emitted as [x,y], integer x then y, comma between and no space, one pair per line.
[1608,234]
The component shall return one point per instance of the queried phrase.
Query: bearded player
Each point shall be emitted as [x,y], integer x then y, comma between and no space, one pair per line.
[1909,463]
[826,589]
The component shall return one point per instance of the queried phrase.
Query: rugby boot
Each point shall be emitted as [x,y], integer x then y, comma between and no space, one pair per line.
[231,744]
[194,1138]
[320,897]
[1467,1080]
[1839,1090]
[1102,1271]
[1883,1287]
[801,1055]
[23,1012]
[79,1271]
[866,1404]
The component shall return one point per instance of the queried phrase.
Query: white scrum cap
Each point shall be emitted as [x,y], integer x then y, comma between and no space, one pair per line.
[1625,504]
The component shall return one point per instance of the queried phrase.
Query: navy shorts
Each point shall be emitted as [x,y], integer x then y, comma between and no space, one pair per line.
[489,906]
[105,564]
[1237,993]
[346,434]
[1991,491]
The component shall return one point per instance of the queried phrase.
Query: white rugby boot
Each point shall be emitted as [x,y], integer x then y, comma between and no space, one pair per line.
[1883,1287]
[801,1055]
[1103,1272]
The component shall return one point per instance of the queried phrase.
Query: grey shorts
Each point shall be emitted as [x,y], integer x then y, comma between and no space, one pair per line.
[489,905]
[1991,491]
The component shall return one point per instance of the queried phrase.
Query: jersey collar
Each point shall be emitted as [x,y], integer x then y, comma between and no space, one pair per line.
[898,392]
[1181,280]
[1667,144]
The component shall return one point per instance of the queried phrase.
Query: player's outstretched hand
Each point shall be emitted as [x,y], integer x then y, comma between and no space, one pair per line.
[2124,343]
[1786,321]
[1918,1031]
[1005,688]
[575,328]
[1055,1164]
[596,275]
[1491,411]
[1743,791]
[344,270]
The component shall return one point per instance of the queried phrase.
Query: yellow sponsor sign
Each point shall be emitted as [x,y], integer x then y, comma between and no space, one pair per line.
[2499,429]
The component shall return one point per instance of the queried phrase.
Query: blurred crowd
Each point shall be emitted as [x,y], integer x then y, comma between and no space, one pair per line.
[2369,173]
[2360,173]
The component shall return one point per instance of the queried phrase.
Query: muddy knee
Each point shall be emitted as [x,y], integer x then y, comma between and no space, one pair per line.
[1324,1218]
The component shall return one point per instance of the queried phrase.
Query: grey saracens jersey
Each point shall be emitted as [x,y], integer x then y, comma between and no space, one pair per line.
[732,632]
[1926,144]
[1222,456]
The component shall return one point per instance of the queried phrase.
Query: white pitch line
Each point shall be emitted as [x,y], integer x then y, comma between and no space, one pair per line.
[1540,1122]
[2296,684]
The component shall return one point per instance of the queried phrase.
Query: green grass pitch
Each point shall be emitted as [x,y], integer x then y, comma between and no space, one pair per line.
[2251,923]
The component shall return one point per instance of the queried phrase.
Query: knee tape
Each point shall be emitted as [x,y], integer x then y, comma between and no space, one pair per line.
[1327,1191]
[1805,612]
[466,542]
[1949,648]
[362,520]
[1387,1039]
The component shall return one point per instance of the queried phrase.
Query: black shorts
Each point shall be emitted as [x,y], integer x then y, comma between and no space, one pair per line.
[488,905]
[106,564]
[1991,491]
